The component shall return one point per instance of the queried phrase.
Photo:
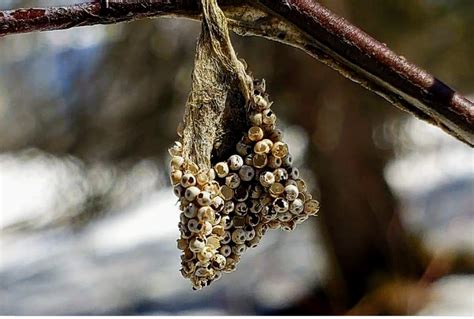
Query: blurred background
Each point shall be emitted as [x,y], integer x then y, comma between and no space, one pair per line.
[89,222]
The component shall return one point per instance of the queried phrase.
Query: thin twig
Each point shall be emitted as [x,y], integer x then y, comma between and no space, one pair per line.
[301,23]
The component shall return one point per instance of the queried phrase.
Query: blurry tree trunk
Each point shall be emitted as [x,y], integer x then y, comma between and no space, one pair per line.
[359,215]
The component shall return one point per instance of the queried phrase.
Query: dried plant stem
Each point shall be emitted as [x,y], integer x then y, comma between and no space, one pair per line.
[301,23]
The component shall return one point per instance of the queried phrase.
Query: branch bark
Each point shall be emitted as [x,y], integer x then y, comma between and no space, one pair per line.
[301,23]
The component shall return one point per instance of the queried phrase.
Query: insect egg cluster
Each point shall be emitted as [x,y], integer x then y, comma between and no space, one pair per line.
[228,208]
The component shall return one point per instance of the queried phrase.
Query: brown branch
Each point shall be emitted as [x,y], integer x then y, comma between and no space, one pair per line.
[90,13]
[302,23]
[372,64]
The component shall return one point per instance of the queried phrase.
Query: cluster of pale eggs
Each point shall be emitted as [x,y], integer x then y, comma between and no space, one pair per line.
[228,208]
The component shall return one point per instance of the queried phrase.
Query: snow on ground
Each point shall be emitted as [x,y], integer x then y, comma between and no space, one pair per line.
[127,263]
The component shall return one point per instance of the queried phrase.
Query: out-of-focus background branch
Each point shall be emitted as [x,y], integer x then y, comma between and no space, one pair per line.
[88,222]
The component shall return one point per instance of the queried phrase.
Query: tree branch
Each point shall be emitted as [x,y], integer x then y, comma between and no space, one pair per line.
[373,65]
[301,23]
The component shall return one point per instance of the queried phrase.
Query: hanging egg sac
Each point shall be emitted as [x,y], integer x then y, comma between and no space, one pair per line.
[231,169]
[227,208]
